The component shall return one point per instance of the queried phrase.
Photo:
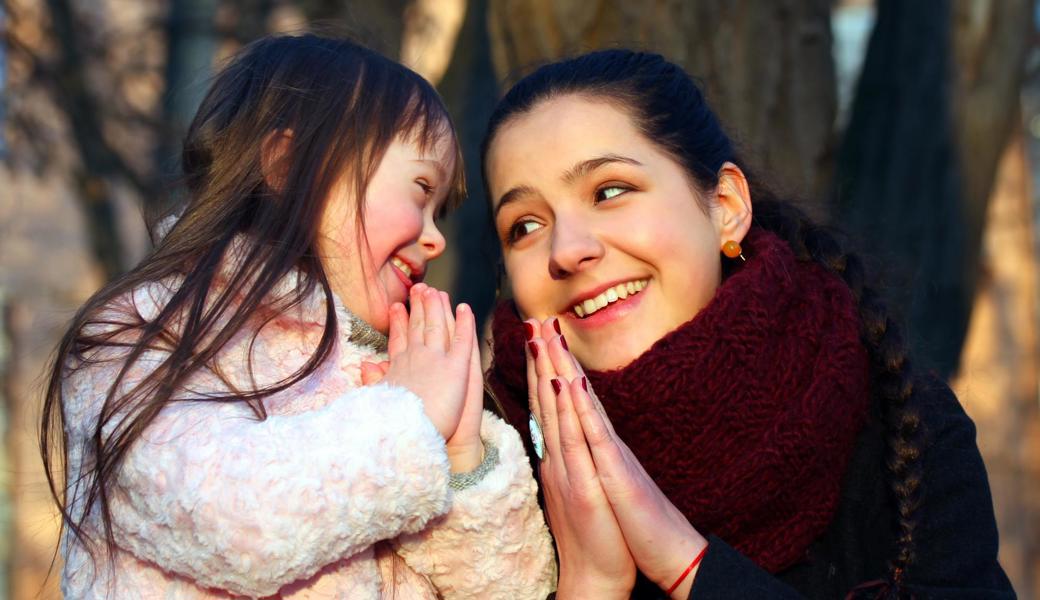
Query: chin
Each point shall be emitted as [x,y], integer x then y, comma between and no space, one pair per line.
[615,360]
[620,354]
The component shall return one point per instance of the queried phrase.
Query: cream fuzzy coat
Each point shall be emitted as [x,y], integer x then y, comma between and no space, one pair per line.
[213,503]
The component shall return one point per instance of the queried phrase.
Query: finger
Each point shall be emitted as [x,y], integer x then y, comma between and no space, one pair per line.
[473,411]
[543,366]
[370,373]
[573,446]
[550,328]
[595,402]
[530,327]
[416,315]
[464,341]
[562,360]
[398,336]
[449,314]
[435,332]
[547,415]
[604,446]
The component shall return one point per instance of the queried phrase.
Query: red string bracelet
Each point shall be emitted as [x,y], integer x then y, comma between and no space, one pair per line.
[696,561]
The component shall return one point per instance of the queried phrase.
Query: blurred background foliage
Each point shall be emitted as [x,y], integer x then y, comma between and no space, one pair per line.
[913,126]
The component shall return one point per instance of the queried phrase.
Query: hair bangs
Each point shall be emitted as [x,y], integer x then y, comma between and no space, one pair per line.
[426,121]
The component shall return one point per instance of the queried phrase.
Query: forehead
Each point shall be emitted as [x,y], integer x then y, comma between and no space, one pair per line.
[438,145]
[555,134]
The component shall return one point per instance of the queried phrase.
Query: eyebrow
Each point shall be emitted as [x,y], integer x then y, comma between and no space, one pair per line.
[512,196]
[579,170]
[587,166]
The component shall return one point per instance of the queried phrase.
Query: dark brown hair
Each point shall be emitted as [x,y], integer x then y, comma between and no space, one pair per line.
[667,106]
[344,105]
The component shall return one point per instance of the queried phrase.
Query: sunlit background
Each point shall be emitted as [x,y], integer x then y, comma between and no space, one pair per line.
[914,126]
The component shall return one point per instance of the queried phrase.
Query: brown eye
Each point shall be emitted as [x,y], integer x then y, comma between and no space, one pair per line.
[609,192]
[522,228]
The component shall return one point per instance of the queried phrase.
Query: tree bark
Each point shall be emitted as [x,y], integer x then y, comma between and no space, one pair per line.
[997,382]
[990,41]
[98,161]
[766,66]
[378,25]
[934,106]
[431,29]
[191,42]
[470,90]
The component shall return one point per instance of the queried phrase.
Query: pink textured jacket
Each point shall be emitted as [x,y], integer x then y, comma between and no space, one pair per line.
[213,503]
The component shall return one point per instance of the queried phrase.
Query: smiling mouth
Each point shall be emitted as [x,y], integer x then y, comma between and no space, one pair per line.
[404,268]
[609,296]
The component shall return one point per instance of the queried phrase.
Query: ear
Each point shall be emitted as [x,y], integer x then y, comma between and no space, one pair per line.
[274,154]
[733,202]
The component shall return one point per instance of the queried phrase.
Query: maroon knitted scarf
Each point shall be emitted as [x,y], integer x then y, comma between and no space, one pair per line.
[746,415]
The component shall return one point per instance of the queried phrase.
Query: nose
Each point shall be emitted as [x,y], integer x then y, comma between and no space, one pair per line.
[431,240]
[575,247]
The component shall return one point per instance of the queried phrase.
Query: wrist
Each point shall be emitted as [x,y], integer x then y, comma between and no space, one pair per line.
[678,588]
[570,588]
[464,458]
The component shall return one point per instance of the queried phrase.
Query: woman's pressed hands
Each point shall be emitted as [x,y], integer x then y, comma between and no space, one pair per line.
[594,560]
[433,353]
[661,540]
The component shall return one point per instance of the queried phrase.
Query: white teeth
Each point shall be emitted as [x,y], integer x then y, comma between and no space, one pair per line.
[609,296]
[400,265]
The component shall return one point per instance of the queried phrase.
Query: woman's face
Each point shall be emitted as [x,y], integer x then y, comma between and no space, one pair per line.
[403,197]
[602,229]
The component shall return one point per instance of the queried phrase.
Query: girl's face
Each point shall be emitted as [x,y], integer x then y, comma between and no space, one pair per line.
[602,229]
[401,201]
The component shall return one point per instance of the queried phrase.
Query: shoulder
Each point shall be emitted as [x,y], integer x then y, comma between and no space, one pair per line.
[945,426]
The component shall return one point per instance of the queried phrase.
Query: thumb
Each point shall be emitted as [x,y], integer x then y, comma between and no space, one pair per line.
[372,373]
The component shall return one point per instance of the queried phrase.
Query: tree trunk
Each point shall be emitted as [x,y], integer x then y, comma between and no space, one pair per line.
[766,65]
[98,161]
[250,18]
[431,29]
[469,266]
[990,40]
[378,25]
[191,43]
[920,152]
[997,381]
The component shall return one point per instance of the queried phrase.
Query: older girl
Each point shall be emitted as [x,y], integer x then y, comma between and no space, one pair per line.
[726,406]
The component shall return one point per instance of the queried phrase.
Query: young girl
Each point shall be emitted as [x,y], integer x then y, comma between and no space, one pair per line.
[208,410]
[761,433]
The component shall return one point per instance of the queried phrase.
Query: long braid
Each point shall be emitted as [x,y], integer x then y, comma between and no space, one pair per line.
[892,379]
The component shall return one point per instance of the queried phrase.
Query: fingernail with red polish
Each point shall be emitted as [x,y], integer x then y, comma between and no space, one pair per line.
[584,384]
[557,386]
[563,342]
[556,325]
[533,348]
[529,330]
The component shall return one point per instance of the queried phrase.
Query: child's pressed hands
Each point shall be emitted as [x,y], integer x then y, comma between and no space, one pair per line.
[431,353]
[465,448]
[594,559]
